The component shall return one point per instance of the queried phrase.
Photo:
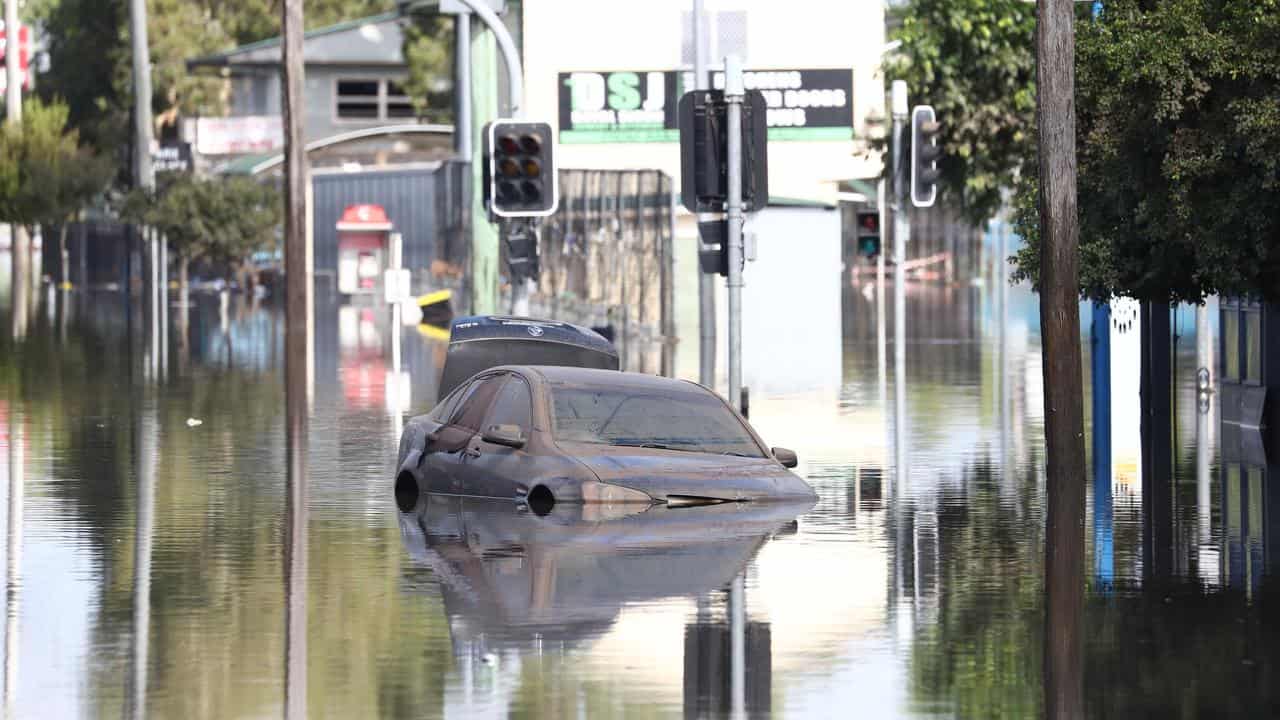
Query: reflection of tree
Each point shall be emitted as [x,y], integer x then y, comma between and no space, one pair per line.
[217,627]
[1177,651]
[981,658]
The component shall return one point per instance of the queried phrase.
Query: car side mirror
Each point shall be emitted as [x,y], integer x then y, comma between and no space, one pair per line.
[786,457]
[509,435]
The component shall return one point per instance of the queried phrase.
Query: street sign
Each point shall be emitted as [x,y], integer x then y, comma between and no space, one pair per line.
[640,105]
[395,285]
[704,151]
[24,57]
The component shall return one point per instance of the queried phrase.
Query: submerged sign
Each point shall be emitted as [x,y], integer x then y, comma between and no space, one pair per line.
[640,106]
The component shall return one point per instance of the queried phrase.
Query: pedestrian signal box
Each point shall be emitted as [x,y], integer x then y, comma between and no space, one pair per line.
[519,170]
[868,229]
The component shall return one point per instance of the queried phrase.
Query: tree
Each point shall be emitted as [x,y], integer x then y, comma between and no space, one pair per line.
[221,221]
[428,51]
[1178,138]
[974,62]
[49,176]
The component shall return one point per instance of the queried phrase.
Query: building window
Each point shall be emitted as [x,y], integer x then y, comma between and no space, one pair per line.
[398,104]
[1231,345]
[358,99]
[373,99]
[1253,346]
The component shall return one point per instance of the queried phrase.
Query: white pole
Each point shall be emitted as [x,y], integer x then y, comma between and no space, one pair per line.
[733,95]
[738,647]
[901,228]
[20,244]
[706,283]
[13,73]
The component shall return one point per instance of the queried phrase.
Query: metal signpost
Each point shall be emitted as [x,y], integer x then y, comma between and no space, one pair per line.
[724,169]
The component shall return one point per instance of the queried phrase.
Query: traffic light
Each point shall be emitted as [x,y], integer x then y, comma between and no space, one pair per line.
[868,222]
[924,156]
[519,177]
[713,255]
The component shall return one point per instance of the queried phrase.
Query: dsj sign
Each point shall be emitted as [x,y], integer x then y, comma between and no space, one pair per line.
[633,107]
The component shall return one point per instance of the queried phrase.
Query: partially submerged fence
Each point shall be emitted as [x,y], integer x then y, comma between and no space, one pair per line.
[607,259]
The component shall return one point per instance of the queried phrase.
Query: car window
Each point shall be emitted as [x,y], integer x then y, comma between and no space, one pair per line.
[444,409]
[471,410]
[687,420]
[514,405]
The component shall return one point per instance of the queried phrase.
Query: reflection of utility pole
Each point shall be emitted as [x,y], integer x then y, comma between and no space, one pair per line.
[706,282]
[13,563]
[295,563]
[148,457]
[737,646]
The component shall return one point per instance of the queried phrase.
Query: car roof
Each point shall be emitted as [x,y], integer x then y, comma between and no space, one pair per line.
[590,377]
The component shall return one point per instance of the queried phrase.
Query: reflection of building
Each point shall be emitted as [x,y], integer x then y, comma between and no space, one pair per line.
[1249,369]
[1249,471]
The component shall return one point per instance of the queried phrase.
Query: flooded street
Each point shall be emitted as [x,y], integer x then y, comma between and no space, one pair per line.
[148,571]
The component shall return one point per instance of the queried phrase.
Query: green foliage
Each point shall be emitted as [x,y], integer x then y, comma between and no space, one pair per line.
[89,69]
[428,51]
[1178,144]
[48,176]
[974,62]
[218,220]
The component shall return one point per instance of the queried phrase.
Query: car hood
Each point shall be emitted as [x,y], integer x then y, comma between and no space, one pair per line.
[671,476]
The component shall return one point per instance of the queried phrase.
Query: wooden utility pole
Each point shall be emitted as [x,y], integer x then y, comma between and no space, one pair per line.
[298,316]
[1060,339]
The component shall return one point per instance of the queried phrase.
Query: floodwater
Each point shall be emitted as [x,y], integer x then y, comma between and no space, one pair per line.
[164,558]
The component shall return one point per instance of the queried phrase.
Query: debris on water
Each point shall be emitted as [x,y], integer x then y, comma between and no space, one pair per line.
[489,658]
[194,422]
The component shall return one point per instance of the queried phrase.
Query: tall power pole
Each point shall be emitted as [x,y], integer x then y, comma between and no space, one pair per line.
[1060,337]
[706,283]
[20,245]
[298,316]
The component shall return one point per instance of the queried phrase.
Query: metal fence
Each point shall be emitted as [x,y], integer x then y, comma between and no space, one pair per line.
[607,259]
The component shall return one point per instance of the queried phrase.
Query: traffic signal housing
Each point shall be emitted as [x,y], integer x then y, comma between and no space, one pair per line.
[924,156]
[868,227]
[520,178]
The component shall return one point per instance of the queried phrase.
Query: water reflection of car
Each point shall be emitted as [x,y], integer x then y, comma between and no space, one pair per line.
[546,435]
[510,576]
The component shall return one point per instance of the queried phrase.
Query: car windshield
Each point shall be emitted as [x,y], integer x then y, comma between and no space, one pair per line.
[692,421]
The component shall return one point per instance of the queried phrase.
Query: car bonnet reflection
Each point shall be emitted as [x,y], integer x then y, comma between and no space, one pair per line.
[514,577]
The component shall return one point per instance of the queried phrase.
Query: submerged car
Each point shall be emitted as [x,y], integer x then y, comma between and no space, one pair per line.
[543,435]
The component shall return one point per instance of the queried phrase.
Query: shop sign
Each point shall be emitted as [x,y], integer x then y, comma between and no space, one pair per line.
[640,106]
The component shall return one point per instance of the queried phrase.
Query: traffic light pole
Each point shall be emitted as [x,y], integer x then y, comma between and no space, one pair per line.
[706,283]
[733,95]
[901,230]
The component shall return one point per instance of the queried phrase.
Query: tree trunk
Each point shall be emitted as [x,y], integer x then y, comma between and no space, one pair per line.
[1060,338]
[62,256]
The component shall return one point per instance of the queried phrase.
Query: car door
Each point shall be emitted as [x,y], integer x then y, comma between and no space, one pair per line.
[443,465]
[498,470]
